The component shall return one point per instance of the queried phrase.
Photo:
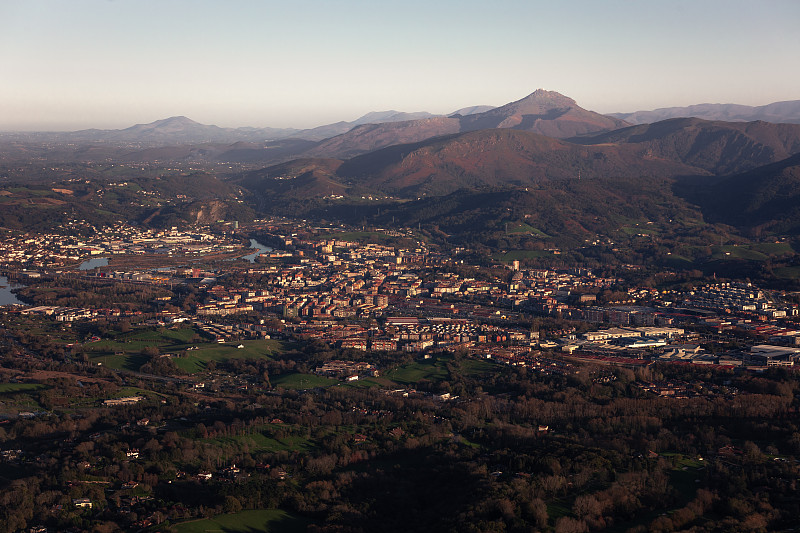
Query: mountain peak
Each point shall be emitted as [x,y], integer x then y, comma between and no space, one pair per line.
[545,112]
[547,98]
[377,117]
[178,120]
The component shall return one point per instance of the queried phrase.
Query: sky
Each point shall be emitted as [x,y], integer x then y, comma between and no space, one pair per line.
[74,64]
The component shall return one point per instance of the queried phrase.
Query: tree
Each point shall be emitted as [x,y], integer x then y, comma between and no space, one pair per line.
[232,505]
[151,352]
[566,524]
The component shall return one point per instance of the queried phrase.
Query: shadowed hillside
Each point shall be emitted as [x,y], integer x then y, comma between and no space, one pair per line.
[544,112]
[766,198]
[718,147]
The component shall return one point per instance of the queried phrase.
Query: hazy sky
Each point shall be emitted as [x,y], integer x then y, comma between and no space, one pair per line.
[71,64]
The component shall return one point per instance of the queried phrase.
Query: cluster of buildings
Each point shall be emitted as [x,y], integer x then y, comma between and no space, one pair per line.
[68,314]
[733,299]
[77,240]
[347,370]
[368,296]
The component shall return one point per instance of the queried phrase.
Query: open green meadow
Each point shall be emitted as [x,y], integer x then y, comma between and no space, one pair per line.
[258,442]
[267,521]
[368,383]
[788,272]
[16,397]
[190,352]
[302,381]
[435,369]
[474,367]
[773,248]
[737,252]
[752,252]
[13,388]
[139,340]
[196,360]
[678,261]
[522,227]
[120,361]
[637,230]
[430,369]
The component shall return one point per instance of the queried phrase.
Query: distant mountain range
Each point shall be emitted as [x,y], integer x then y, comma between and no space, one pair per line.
[742,174]
[181,139]
[544,112]
[172,131]
[571,170]
[776,112]
[182,130]
[505,157]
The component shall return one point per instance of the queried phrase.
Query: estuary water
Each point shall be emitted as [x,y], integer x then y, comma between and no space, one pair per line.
[94,263]
[260,249]
[6,296]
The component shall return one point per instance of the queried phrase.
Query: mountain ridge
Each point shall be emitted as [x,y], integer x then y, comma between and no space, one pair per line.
[777,112]
[545,112]
[764,198]
[718,147]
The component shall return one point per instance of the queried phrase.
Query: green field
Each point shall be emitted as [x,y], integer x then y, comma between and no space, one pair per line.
[124,352]
[636,230]
[737,252]
[752,252]
[434,369]
[788,272]
[527,229]
[137,341]
[120,361]
[259,442]
[473,367]
[678,261]
[773,248]
[12,388]
[269,521]
[32,192]
[196,360]
[302,381]
[430,369]
[366,383]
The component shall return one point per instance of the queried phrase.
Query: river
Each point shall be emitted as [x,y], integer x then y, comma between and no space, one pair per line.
[95,262]
[6,296]
[260,249]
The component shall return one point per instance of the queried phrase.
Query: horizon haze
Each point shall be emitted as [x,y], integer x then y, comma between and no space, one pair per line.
[106,65]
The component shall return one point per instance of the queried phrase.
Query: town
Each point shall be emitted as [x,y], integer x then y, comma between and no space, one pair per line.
[327,286]
[219,358]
